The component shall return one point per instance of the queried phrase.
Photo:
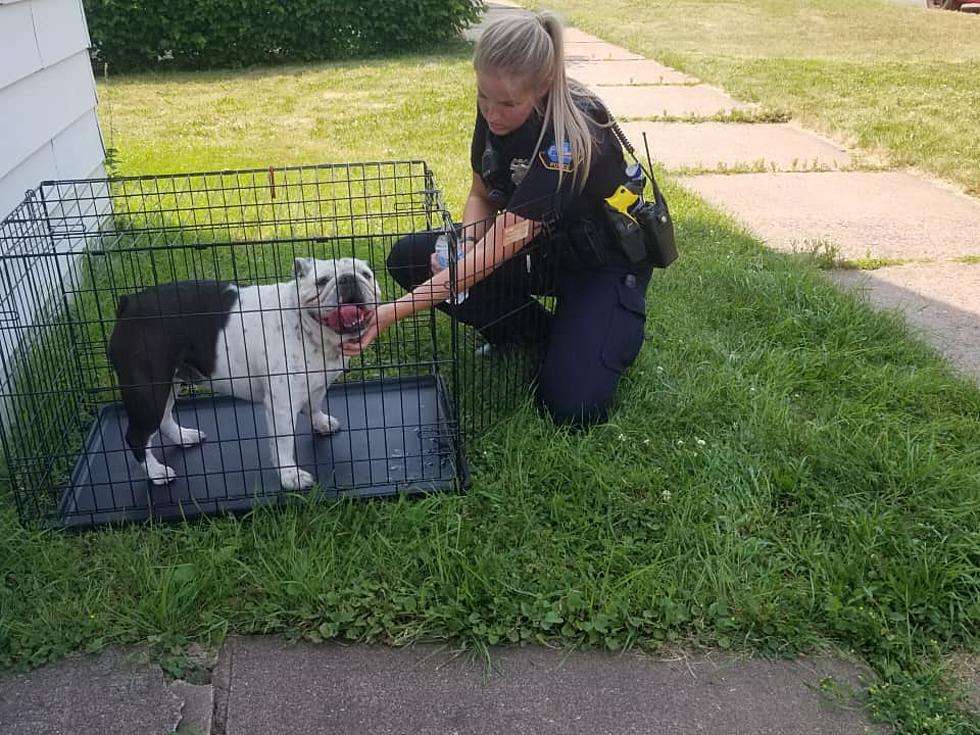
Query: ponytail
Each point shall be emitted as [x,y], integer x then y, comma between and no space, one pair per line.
[532,48]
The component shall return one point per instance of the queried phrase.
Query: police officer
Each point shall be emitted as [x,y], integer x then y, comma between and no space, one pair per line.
[533,194]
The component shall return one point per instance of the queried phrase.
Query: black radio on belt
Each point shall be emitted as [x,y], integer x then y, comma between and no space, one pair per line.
[658,232]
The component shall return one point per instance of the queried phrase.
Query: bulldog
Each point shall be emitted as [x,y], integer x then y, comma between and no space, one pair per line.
[279,344]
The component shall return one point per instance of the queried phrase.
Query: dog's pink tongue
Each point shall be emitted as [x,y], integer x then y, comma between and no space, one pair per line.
[344,317]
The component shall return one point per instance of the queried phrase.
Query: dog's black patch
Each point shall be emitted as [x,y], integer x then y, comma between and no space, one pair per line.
[163,331]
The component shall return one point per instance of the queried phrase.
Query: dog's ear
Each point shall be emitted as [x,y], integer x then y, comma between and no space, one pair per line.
[302,266]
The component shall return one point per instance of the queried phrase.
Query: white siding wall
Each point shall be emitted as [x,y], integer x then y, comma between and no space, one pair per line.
[48,131]
[48,125]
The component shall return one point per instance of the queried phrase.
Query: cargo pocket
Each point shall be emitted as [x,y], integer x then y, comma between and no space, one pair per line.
[624,336]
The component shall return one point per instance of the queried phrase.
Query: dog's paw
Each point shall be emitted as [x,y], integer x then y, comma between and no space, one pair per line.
[191,437]
[324,424]
[182,437]
[294,478]
[161,475]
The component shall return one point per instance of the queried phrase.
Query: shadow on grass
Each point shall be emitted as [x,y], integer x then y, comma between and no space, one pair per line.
[457,50]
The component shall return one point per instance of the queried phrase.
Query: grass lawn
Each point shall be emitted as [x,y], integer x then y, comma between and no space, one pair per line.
[890,78]
[413,108]
[786,470]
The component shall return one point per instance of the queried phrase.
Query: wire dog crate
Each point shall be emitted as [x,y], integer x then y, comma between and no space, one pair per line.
[72,249]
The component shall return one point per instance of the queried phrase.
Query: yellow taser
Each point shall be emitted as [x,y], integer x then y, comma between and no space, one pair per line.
[621,200]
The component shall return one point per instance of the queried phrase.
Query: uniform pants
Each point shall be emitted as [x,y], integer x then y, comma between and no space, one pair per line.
[595,333]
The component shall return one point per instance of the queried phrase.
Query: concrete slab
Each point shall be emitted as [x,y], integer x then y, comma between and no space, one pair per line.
[941,301]
[574,35]
[494,9]
[715,146]
[653,102]
[197,710]
[625,72]
[597,51]
[965,669]
[886,214]
[973,686]
[293,689]
[114,692]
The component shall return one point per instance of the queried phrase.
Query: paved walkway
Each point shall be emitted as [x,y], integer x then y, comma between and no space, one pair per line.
[265,685]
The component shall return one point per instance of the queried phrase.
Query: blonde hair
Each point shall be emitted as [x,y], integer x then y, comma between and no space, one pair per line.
[530,47]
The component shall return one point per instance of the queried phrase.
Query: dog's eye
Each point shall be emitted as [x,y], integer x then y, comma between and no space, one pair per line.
[366,274]
[323,281]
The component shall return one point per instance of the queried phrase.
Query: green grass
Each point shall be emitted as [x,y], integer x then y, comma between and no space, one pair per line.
[732,116]
[786,469]
[894,80]
[826,256]
[871,264]
[416,107]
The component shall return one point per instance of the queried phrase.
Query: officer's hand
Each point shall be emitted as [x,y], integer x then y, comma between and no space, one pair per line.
[434,264]
[380,320]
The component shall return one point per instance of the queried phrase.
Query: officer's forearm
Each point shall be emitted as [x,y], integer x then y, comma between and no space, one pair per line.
[505,237]
[476,215]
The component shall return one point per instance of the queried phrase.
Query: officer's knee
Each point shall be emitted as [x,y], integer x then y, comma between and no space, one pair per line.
[403,261]
[574,411]
[579,398]
[408,260]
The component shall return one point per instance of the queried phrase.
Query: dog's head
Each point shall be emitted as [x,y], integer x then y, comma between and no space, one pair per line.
[341,294]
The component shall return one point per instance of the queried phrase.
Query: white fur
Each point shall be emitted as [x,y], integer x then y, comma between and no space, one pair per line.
[275,351]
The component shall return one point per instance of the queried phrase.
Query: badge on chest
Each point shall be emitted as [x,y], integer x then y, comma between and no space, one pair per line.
[552,160]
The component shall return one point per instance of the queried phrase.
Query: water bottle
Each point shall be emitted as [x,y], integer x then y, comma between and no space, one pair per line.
[635,181]
[442,257]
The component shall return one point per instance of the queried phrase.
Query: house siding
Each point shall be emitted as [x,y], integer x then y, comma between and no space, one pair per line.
[48,123]
[48,131]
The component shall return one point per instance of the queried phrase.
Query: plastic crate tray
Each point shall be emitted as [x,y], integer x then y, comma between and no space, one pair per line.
[397,436]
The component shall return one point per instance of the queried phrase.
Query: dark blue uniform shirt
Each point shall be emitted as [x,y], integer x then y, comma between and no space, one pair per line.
[538,195]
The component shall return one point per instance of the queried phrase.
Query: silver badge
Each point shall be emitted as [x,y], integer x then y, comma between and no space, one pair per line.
[518,170]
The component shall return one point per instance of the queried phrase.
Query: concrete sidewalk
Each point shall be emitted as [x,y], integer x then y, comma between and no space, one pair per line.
[266,685]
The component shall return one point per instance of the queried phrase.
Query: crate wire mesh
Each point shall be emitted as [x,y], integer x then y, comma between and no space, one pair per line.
[73,248]
[497,362]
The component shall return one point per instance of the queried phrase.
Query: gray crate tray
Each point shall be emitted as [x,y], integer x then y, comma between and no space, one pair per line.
[397,436]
